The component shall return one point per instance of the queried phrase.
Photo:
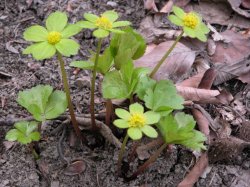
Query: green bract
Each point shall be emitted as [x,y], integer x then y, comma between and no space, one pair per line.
[42,102]
[179,129]
[104,24]
[137,121]
[191,22]
[52,38]
[24,132]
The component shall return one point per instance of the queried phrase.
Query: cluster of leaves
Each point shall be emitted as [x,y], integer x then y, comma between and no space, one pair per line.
[116,64]
[24,132]
[121,80]
[43,104]
[179,129]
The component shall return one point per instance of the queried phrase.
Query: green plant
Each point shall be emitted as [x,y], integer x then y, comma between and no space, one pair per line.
[177,129]
[122,80]
[104,24]
[42,102]
[192,26]
[54,40]
[25,133]
[137,122]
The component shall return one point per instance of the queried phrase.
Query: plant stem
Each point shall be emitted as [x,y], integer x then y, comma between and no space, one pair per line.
[33,151]
[131,99]
[67,91]
[151,160]
[119,163]
[156,68]
[109,111]
[92,96]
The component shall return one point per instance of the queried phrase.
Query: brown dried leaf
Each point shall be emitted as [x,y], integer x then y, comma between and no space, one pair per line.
[150,5]
[208,79]
[245,3]
[235,4]
[236,48]
[245,77]
[8,145]
[202,121]
[10,48]
[226,72]
[168,7]
[231,58]
[177,65]
[75,168]
[198,169]
[198,95]
[193,81]
[219,13]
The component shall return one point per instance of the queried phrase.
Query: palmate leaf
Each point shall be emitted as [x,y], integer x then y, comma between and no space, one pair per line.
[42,102]
[163,97]
[121,84]
[179,129]
[24,132]
[129,45]
[105,62]
[113,86]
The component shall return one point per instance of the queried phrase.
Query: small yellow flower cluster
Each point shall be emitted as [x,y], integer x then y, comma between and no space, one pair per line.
[137,120]
[190,20]
[103,23]
[54,37]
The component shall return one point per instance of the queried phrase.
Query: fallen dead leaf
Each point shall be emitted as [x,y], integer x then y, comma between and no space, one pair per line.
[202,122]
[10,48]
[219,12]
[150,5]
[231,58]
[75,168]
[236,47]
[8,145]
[235,4]
[226,72]
[176,67]
[200,95]
[245,3]
[211,47]
[198,169]
[168,7]
[193,81]
[152,34]
[208,79]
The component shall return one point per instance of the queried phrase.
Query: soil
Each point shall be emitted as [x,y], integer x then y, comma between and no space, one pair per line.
[17,165]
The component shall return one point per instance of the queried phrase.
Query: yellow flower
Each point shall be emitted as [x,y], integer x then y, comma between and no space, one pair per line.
[190,22]
[137,121]
[104,24]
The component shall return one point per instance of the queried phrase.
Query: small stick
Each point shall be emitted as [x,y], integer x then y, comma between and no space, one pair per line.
[59,146]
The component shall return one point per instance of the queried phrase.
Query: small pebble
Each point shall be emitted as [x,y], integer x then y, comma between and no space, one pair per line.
[112,4]
[246,165]
[54,184]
